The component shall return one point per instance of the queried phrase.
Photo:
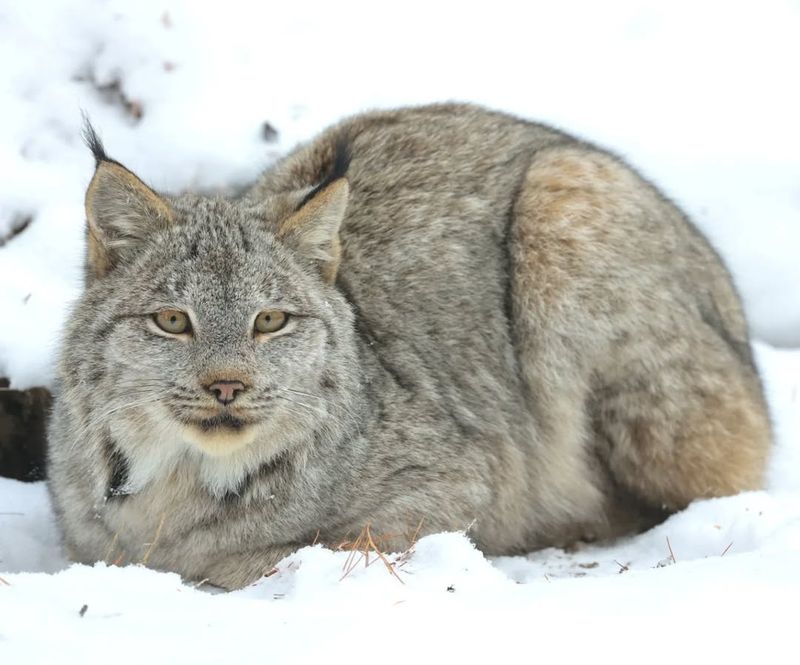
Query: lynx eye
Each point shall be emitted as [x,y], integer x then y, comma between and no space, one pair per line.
[172,321]
[270,321]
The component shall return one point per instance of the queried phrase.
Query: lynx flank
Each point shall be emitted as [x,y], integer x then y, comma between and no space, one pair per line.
[437,315]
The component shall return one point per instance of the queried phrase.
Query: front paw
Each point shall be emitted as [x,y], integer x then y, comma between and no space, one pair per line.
[239,569]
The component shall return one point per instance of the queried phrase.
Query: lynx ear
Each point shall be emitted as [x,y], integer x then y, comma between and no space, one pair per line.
[121,211]
[313,229]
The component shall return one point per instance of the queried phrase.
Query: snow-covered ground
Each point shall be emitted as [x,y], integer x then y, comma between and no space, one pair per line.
[701,96]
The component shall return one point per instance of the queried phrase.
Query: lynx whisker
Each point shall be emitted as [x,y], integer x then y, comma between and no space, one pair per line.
[310,407]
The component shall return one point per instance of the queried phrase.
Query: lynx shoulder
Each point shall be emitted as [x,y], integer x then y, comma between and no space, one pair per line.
[441,315]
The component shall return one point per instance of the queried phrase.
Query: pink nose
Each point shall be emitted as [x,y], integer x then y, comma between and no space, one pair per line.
[225,391]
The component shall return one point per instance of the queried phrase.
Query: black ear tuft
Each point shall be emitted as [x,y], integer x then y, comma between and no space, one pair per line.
[339,166]
[93,142]
[341,161]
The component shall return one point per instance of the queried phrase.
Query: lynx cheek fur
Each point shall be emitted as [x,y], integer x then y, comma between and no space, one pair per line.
[437,314]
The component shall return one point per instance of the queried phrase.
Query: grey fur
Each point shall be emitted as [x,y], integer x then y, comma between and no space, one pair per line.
[511,329]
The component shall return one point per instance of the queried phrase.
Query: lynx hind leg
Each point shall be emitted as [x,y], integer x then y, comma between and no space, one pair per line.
[612,345]
[692,427]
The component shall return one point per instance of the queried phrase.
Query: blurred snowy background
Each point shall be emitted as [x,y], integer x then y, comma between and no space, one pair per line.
[702,96]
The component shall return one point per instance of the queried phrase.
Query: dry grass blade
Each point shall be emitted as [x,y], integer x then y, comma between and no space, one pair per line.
[355,549]
[111,548]
[671,553]
[150,547]
[361,549]
[415,535]
[382,556]
[405,556]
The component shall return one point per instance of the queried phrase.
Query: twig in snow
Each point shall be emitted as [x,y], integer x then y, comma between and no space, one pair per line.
[671,553]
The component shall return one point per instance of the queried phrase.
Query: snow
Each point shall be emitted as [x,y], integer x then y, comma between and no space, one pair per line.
[699,96]
[725,598]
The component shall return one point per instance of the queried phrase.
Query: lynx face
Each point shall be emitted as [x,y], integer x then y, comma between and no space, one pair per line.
[219,378]
[215,328]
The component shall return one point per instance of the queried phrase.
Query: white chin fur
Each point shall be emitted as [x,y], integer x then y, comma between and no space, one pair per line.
[219,442]
[220,459]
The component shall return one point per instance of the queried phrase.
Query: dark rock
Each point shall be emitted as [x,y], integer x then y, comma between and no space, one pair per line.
[114,93]
[269,133]
[23,430]
[19,222]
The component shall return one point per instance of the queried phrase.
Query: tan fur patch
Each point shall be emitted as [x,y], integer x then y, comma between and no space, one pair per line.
[219,442]
[333,196]
[718,450]
[97,258]
[109,174]
[316,226]
[571,200]
[590,278]
[118,202]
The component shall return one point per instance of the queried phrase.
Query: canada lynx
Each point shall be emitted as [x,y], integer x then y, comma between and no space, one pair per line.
[441,315]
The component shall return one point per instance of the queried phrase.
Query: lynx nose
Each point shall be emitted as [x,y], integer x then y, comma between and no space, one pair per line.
[225,391]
